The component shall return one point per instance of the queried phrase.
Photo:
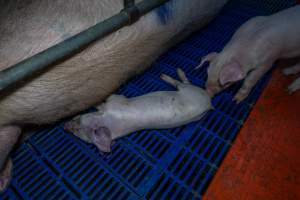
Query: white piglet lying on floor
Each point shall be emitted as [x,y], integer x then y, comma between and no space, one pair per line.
[120,116]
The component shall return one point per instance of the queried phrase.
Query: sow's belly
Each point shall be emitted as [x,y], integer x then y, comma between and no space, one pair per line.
[90,76]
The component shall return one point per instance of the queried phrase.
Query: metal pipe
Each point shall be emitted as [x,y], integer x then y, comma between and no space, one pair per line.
[65,49]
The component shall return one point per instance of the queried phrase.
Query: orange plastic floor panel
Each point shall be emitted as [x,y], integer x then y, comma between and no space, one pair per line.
[264,161]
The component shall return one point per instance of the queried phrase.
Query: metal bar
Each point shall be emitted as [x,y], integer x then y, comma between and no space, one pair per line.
[65,49]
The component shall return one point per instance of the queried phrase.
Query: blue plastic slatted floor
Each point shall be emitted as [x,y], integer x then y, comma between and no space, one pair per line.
[177,163]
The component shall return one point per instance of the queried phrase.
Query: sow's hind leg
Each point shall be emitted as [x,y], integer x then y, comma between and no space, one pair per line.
[8,138]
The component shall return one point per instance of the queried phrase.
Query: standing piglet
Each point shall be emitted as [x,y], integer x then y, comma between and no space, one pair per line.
[29,27]
[252,51]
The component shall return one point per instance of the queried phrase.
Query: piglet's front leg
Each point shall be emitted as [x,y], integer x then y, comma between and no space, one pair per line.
[296,83]
[294,86]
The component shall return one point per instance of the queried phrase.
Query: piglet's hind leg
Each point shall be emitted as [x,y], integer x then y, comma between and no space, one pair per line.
[170,80]
[173,81]
[182,76]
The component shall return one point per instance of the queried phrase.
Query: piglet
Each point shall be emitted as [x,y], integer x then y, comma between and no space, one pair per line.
[252,51]
[119,115]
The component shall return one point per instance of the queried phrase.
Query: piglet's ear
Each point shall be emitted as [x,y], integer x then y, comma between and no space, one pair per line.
[101,137]
[231,72]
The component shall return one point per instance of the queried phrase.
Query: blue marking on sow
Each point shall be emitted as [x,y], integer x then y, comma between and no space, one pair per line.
[175,163]
[164,12]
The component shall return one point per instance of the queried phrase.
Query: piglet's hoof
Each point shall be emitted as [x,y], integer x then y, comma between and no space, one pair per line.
[5,175]
[294,86]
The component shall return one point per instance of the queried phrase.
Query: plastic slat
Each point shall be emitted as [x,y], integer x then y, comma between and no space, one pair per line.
[175,163]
